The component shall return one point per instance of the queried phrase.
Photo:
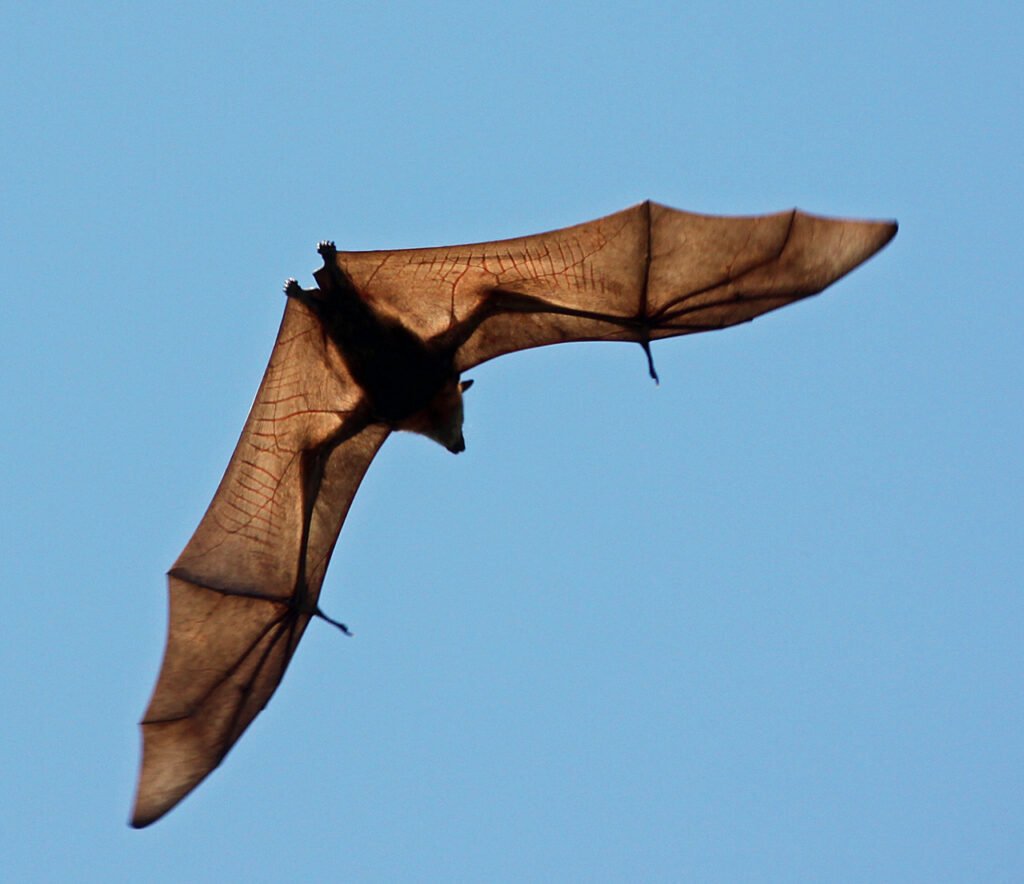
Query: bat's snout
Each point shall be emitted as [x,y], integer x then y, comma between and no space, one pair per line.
[458,445]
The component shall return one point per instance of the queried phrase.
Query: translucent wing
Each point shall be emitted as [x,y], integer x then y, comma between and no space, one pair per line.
[644,273]
[245,586]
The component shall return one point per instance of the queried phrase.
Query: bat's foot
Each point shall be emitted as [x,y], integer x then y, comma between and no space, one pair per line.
[340,626]
[309,297]
[327,250]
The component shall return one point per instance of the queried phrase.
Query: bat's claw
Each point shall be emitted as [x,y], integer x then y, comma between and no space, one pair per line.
[651,370]
[292,288]
[340,626]
[327,250]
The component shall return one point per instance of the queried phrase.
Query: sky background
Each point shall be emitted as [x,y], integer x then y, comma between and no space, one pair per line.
[763,622]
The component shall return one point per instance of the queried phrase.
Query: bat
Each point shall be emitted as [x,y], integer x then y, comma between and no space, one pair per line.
[380,344]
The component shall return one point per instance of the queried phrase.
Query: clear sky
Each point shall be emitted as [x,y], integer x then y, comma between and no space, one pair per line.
[763,622]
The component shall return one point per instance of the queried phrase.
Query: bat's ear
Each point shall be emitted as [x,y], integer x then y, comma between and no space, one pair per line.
[465,385]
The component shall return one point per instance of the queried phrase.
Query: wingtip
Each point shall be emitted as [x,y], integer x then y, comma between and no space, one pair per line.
[884,233]
[139,822]
[152,803]
[842,244]
[173,764]
[145,813]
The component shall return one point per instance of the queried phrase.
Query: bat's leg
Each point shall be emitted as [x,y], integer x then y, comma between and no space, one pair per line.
[309,297]
[327,250]
[339,289]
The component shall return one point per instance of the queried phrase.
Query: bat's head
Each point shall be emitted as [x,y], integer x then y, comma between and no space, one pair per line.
[441,420]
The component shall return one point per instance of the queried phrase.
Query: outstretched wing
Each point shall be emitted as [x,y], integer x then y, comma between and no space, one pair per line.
[244,588]
[644,273]
[248,581]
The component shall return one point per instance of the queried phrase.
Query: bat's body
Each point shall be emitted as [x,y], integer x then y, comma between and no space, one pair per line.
[399,374]
[379,346]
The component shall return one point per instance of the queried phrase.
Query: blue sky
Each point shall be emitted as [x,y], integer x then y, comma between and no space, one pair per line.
[762,622]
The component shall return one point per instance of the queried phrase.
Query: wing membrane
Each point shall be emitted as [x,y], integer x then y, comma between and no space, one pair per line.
[643,273]
[246,584]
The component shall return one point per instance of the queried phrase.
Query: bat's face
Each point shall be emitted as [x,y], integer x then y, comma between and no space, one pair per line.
[441,420]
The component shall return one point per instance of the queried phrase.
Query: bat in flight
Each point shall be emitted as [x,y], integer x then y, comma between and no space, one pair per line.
[381,345]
